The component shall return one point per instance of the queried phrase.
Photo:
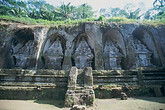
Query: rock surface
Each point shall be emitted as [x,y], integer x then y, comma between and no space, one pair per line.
[78,107]
[80,92]
[36,47]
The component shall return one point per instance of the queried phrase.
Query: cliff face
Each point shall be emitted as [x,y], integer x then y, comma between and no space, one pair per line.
[101,46]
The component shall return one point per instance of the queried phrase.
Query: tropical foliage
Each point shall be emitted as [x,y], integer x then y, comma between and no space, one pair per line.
[42,10]
[39,9]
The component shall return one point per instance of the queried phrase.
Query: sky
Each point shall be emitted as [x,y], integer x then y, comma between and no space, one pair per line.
[98,4]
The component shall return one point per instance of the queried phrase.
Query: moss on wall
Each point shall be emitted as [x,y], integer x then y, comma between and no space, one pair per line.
[27,93]
[114,91]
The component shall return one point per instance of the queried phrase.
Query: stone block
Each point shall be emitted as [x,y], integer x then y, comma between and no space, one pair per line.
[72,77]
[157,91]
[123,96]
[80,92]
[78,107]
[88,78]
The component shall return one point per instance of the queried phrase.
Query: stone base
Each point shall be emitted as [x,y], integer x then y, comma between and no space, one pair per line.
[79,97]
[78,107]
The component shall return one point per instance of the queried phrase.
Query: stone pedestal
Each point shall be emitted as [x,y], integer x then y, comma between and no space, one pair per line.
[88,77]
[72,78]
[80,95]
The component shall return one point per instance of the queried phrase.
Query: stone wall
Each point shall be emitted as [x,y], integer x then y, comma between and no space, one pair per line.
[52,84]
[59,78]
[103,46]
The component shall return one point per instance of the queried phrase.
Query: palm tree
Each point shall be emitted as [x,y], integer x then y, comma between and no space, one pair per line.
[65,11]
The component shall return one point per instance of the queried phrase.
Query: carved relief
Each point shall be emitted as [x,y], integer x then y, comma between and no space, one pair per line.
[53,56]
[83,55]
[23,53]
[112,56]
[143,55]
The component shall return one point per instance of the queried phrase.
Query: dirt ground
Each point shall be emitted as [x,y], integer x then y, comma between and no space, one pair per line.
[147,103]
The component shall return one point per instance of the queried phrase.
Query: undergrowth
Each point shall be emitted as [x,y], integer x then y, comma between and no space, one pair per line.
[31,21]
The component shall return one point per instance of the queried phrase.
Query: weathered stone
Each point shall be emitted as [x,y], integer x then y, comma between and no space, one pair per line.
[157,91]
[123,96]
[26,46]
[23,53]
[72,77]
[83,55]
[143,55]
[82,93]
[112,56]
[35,47]
[88,77]
[53,55]
[78,107]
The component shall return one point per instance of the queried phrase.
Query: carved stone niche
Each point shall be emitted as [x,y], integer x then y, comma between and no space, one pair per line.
[112,56]
[143,55]
[53,55]
[83,55]
[23,49]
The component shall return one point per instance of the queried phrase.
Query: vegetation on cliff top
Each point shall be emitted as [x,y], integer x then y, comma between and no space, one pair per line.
[31,21]
[40,12]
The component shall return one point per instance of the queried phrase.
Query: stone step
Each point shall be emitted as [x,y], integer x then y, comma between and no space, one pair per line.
[116,76]
[78,92]
[154,78]
[117,83]
[154,82]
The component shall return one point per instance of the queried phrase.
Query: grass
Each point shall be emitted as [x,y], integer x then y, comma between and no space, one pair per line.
[31,21]
[26,20]
[155,22]
[121,20]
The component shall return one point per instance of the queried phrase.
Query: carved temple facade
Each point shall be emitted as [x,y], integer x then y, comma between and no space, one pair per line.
[89,45]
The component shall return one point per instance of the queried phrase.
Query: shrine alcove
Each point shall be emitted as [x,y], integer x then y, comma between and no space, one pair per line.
[114,50]
[23,49]
[53,52]
[82,54]
[145,47]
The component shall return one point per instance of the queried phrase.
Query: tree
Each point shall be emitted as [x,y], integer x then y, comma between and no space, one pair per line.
[103,12]
[159,3]
[39,9]
[13,7]
[65,11]
[84,11]
[128,12]
[158,10]
[101,18]
[132,13]
[117,12]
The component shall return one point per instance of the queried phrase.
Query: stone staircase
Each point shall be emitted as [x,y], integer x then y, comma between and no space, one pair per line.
[156,80]
[80,87]
[105,77]
[77,82]
[154,77]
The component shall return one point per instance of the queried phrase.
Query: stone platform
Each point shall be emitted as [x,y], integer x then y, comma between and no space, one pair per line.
[80,92]
[54,83]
